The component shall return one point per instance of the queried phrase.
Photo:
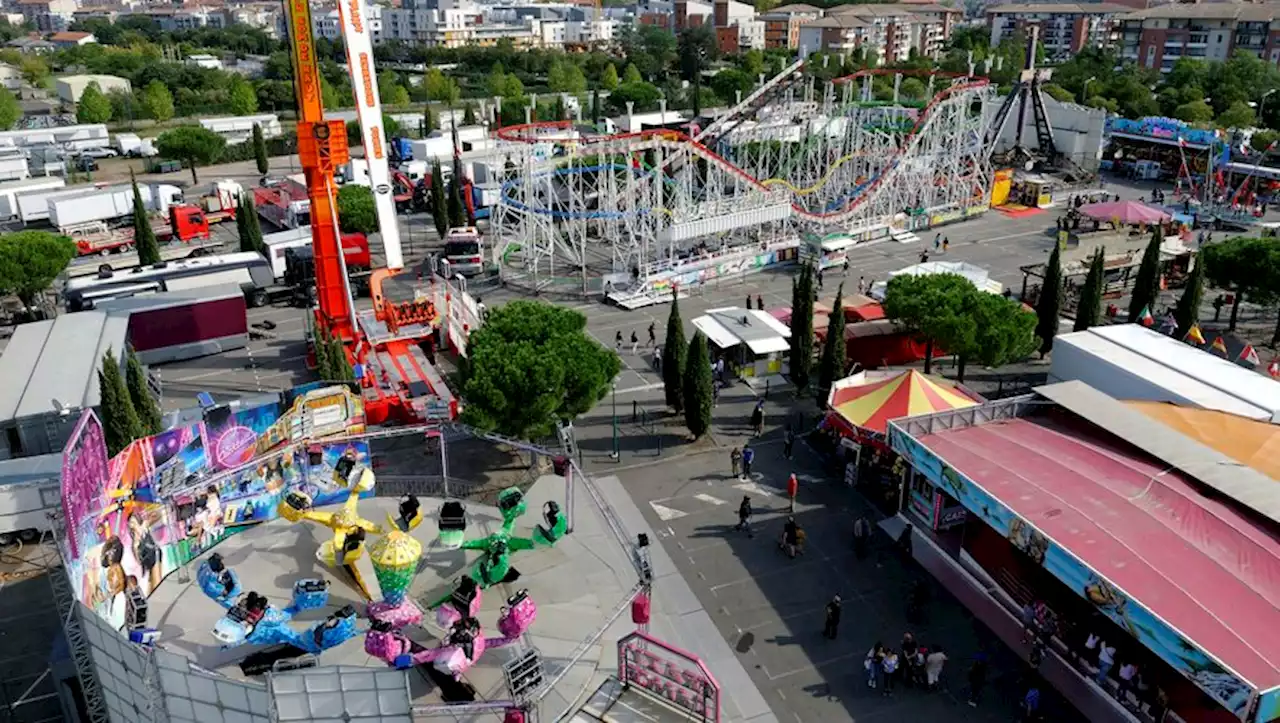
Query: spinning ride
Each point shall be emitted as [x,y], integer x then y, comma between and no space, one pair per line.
[494,565]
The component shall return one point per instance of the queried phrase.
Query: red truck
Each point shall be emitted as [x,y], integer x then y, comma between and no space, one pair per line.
[284,204]
[185,222]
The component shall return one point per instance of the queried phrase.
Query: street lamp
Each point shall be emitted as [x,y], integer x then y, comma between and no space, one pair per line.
[1085,91]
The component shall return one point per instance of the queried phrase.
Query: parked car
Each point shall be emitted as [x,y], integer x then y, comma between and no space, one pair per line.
[86,163]
[99,152]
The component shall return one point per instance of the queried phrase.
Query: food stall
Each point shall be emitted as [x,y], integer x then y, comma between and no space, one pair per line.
[752,342]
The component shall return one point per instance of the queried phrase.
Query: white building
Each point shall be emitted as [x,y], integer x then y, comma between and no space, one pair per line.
[10,77]
[201,60]
[71,87]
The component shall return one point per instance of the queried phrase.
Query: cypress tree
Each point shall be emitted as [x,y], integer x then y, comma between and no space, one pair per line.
[428,121]
[802,331]
[1147,284]
[120,424]
[252,225]
[457,216]
[697,387]
[260,150]
[438,204]
[1187,312]
[469,114]
[595,106]
[341,366]
[833,351]
[144,238]
[144,405]
[240,230]
[324,354]
[1089,310]
[1049,305]
[673,357]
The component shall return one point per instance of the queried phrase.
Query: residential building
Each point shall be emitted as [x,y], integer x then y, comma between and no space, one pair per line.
[890,31]
[47,16]
[10,77]
[736,26]
[36,45]
[69,39]
[1065,28]
[842,34]
[782,24]
[201,60]
[690,14]
[1157,37]
[71,87]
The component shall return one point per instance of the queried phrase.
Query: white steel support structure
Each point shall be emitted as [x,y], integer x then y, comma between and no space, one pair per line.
[358,40]
[838,157]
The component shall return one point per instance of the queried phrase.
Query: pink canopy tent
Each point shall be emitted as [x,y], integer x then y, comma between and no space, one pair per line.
[1128,212]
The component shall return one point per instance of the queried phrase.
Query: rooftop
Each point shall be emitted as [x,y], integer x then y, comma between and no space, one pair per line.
[1060,8]
[1208,11]
[1249,442]
[57,360]
[732,325]
[794,8]
[1209,570]
[68,36]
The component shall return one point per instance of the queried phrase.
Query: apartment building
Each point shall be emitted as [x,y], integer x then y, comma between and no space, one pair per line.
[782,24]
[1157,37]
[891,31]
[47,16]
[737,28]
[1065,28]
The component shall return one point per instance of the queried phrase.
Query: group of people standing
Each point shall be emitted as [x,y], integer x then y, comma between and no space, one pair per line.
[911,664]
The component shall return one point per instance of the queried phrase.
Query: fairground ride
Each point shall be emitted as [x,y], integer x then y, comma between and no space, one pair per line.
[791,159]
[397,378]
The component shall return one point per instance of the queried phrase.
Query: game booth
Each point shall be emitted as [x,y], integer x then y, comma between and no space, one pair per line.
[1112,524]
[211,568]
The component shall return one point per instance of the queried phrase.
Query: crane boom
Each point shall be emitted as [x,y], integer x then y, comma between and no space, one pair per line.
[364,85]
[322,147]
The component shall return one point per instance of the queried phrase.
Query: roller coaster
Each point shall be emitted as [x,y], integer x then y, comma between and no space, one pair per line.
[793,158]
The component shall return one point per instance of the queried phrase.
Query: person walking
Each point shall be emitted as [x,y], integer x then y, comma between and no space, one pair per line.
[946,244]
[635,342]
[735,459]
[759,302]
[832,625]
[744,516]
[933,664]
[861,531]
[819,278]
[748,456]
[793,488]
[846,265]
[862,284]
[977,678]
[653,337]
[937,241]
[757,419]
[617,341]
[1031,703]
[1106,659]
[1128,672]
[788,443]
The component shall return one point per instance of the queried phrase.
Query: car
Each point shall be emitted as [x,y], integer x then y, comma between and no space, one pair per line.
[86,163]
[99,152]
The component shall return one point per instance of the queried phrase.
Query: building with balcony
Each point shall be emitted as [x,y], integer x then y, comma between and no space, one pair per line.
[47,16]
[782,24]
[890,31]
[1157,37]
[1065,28]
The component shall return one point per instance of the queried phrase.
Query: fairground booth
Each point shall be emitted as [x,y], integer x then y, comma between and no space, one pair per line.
[753,343]
[1146,524]
[859,408]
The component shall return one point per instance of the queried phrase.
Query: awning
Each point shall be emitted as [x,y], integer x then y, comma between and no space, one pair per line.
[868,401]
[716,333]
[768,346]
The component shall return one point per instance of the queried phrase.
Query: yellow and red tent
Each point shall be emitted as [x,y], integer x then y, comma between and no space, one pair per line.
[867,401]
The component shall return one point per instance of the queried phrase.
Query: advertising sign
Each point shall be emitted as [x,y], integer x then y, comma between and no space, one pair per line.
[84,469]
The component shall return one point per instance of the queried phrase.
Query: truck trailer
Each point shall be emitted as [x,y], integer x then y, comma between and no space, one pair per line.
[129,144]
[11,191]
[285,204]
[34,207]
[355,250]
[106,206]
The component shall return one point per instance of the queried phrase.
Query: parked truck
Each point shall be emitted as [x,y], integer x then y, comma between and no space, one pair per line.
[284,204]
[11,191]
[67,214]
[355,250]
[34,207]
[105,231]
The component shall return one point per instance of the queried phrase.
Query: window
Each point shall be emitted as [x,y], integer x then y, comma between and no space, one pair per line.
[15,442]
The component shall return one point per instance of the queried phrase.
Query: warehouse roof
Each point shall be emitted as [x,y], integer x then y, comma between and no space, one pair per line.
[57,360]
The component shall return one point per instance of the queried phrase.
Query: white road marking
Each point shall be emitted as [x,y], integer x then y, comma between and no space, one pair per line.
[753,488]
[666,513]
[709,499]
[641,388]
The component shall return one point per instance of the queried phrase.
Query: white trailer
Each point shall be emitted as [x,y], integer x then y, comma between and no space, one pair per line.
[240,129]
[13,190]
[29,490]
[56,136]
[129,144]
[13,165]
[112,203]
[277,243]
[33,207]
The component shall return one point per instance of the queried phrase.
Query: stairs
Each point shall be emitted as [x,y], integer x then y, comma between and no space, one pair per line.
[903,236]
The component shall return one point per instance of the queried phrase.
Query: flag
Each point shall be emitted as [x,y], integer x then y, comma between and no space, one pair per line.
[1145,317]
[1194,335]
[1249,356]
[1274,368]
[1220,346]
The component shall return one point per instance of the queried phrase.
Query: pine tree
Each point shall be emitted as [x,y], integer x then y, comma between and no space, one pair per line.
[1146,285]
[833,351]
[1188,310]
[697,387]
[260,150]
[144,238]
[120,423]
[140,395]
[673,357]
[324,354]
[439,211]
[1049,305]
[802,331]
[457,216]
[252,225]
[1089,310]
[469,114]
[428,121]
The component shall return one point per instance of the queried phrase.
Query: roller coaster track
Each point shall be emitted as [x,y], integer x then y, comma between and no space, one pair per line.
[679,141]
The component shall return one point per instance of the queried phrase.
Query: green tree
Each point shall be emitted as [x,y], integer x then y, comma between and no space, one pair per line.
[428,121]
[469,114]
[397,96]
[1049,305]
[356,211]
[120,424]
[729,82]
[144,404]
[833,350]
[1056,92]
[439,210]
[260,150]
[697,386]
[643,96]
[927,305]
[1146,285]
[1089,310]
[674,357]
[595,105]
[752,62]
[989,329]
[1187,312]
[1237,115]
[456,209]
[10,110]
[630,75]
[440,87]
[530,366]
[566,77]
[340,369]
[31,260]
[802,331]
[192,145]
[93,106]
[157,101]
[144,237]
[248,225]
[1196,111]
[241,98]
[1249,267]
[323,349]
[609,79]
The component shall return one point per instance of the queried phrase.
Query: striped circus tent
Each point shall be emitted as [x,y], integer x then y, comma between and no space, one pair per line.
[864,403]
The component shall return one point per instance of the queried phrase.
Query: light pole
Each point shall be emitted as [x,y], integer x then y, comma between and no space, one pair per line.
[614,403]
[1084,92]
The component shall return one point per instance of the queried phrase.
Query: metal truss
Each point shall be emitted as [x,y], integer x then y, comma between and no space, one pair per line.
[69,610]
[807,159]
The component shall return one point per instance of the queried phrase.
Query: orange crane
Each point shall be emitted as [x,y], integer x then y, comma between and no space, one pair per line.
[322,148]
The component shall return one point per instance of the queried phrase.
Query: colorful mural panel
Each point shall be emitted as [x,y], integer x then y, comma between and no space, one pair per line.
[84,467]
[1182,654]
